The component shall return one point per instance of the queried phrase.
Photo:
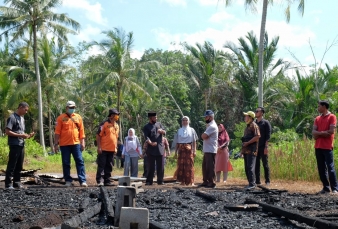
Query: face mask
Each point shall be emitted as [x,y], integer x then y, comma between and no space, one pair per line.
[115,118]
[70,111]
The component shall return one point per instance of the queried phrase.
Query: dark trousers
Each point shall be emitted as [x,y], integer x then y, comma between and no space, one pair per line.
[326,169]
[145,166]
[208,169]
[14,165]
[250,164]
[105,163]
[265,161]
[151,168]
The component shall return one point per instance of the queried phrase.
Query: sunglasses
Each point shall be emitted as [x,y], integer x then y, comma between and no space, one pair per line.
[257,111]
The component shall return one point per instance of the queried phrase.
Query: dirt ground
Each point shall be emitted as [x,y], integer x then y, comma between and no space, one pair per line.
[291,186]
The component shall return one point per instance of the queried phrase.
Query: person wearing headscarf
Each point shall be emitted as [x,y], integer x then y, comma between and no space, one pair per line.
[185,139]
[132,151]
[222,156]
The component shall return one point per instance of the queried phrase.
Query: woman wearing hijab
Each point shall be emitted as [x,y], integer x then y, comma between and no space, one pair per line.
[185,139]
[131,152]
[222,156]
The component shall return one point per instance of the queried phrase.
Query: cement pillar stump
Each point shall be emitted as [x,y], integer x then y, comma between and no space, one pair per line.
[125,198]
[135,218]
[124,181]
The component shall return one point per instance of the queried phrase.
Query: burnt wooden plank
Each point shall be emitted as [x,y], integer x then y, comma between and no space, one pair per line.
[293,215]
[205,195]
[245,207]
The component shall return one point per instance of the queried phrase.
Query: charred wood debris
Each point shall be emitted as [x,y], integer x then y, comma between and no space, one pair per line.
[47,204]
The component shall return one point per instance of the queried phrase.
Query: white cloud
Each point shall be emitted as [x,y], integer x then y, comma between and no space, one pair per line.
[220,17]
[290,36]
[211,2]
[89,33]
[93,12]
[137,54]
[176,2]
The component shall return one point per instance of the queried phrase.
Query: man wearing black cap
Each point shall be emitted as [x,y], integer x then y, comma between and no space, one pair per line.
[106,138]
[323,132]
[209,137]
[153,133]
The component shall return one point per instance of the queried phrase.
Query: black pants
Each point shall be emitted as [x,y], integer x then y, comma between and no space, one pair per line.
[105,163]
[265,161]
[14,165]
[208,169]
[250,164]
[151,168]
[145,166]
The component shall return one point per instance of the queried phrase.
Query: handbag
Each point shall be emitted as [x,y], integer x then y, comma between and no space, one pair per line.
[230,168]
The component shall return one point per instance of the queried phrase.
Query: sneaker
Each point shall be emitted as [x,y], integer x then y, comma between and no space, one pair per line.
[9,187]
[69,184]
[334,192]
[84,184]
[323,192]
[250,187]
[100,184]
[20,187]
[267,183]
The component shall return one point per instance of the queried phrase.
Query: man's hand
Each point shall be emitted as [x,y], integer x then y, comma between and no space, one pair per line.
[266,151]
[99,150]
[82,146]
[56,148]
[245,144]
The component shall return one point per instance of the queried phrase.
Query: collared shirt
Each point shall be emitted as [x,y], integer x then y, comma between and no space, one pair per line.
[265,131]
[151,131]
[70,128]
[108,133]
[16,124]
[250,132]
[323,123]
[210,144]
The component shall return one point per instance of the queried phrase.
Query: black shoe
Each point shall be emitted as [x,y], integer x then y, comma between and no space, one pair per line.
[323,192]
[109,184]
[203,185]
[160,183]
[258,183]
[211,186]
[148,183]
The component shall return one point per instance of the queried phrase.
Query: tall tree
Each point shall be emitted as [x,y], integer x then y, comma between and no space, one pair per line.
[19,18]
[252,5]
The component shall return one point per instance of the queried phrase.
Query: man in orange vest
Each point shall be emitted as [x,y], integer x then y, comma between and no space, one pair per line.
[70,136]
[106,138]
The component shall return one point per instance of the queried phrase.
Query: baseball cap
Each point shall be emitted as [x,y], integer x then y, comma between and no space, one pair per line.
[70,104]
[208,113]
[250,113]
[113,111]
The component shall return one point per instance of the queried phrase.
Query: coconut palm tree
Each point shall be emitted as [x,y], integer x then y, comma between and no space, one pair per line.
[246,54]
[116,71]
[20,18]
[252,5]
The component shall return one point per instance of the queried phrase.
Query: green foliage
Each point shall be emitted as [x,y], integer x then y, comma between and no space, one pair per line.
[281,137]
[236,143]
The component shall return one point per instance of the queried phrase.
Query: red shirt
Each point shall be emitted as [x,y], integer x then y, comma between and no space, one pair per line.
[323,123]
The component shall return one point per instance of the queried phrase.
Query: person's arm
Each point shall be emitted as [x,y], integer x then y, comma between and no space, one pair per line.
[204,136]
[166,145]
[255,138]
[268,135]
[13,134]
[98,142]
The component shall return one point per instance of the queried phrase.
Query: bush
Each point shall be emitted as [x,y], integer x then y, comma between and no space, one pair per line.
[288,135]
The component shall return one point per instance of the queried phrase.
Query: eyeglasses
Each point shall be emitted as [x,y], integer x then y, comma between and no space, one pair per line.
[257,111]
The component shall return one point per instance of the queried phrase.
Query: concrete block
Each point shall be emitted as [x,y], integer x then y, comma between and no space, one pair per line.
[135,218]
[125,198]
[124,181]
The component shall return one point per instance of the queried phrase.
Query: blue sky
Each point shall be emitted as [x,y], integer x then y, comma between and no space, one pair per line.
[163,24]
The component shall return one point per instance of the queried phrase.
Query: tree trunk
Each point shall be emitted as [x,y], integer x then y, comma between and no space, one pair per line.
[51,141]
[38,80]
[261,54]
[118,107]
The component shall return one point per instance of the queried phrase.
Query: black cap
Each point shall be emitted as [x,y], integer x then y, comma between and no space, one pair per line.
[151,113]
[113,111]
[208,113]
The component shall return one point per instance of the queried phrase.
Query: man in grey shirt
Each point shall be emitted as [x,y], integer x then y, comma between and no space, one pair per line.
[15,130]
[209,137]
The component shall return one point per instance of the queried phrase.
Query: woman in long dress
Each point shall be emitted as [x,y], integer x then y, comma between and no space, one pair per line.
[132,151]
[185,139]
[222,156]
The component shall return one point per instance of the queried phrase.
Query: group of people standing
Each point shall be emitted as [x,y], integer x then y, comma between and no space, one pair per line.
[70,140]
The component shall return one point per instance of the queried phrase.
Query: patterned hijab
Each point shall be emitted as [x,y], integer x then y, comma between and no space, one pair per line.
[222,135]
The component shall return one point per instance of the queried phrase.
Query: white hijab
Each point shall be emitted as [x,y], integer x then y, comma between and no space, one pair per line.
[185,133]
[131,141]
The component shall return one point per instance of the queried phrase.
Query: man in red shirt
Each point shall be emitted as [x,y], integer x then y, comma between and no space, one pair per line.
[323,132]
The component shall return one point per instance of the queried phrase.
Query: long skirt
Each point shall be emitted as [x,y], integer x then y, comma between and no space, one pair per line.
[185,165]
[222,160]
